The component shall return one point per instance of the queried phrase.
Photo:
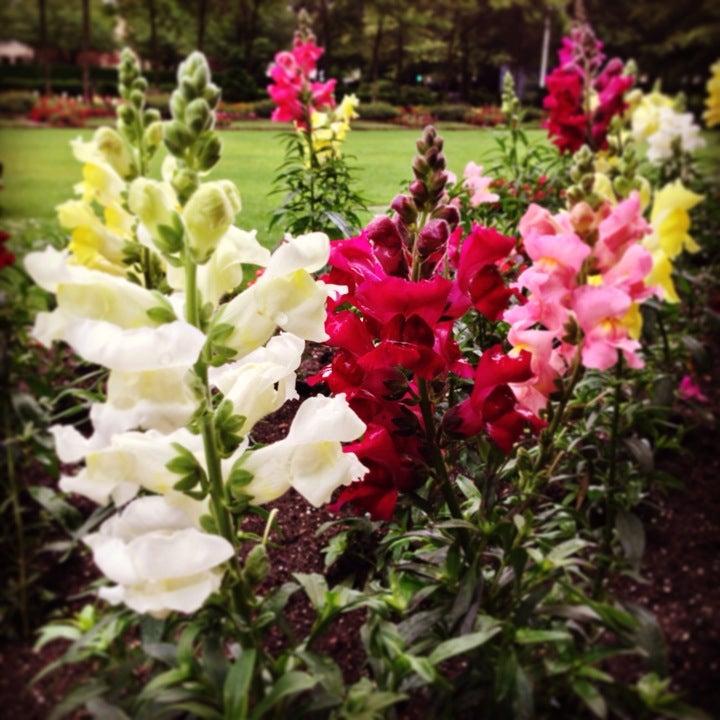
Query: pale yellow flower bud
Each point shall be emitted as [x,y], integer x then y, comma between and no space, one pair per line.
[208,215]
[153,202]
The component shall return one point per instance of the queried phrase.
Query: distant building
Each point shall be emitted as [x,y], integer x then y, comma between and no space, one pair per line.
[13,52]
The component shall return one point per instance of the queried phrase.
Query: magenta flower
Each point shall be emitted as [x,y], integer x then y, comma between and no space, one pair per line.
[688,389]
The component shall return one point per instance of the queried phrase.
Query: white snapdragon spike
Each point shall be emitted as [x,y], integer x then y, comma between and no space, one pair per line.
[224,271]
[262,381]
[162,399]
[310,459]
[129,462]
[673,126]
[286,296]
[105,318]
[157,557]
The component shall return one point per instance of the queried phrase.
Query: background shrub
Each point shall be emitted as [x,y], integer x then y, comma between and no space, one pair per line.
[381,111]
[16,102]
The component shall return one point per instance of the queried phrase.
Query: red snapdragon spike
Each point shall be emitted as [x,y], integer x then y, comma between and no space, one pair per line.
[383,300]
[348,331]
[413,330]
[478,275]
[6,257]
[387,241]
[450,352]
[492,406]
[389,471]
[352,261]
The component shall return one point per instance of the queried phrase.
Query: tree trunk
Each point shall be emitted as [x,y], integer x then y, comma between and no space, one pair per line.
[154,59]
[42,17]
[251,32]
[400,50]
[87,91]
[465,60]
[375,58]
[201,19]
[449,62]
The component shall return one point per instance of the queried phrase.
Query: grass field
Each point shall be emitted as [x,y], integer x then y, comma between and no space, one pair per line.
[39,169]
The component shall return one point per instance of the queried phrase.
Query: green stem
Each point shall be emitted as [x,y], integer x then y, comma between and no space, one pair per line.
[548,435]
[611,483]
[19,527]
[439,462]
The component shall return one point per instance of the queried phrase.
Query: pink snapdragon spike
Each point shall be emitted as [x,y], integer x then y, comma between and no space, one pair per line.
[478,185]
[688,389]
[600,312]
[588,273]
[294,88]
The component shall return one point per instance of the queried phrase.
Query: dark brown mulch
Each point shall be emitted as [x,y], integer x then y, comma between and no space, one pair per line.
[682,567]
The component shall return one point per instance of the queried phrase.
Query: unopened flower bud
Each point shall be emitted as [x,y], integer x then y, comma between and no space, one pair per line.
[432,237]
[405,208]
[419,191]
[153,202]
[257,565]
[583,219]
[382,231]
[209,153]
[140,83]
[198,116]
[127,114]
[208,215]
[450,214]
[113,148]
[150,116]
[420,167]
[137,98]
[212,95]
[154,134]
[178,103]
[177,137]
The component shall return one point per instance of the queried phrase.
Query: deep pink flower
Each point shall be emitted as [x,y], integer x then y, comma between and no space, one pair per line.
[688,389]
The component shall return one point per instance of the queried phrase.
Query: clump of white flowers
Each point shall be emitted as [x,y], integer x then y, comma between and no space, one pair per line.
[194,358]
[660,121]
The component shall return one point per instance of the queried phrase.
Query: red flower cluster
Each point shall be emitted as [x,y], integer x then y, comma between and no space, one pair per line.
[63,111]
[294,89]
[583,96]
[393,330]
[6,257]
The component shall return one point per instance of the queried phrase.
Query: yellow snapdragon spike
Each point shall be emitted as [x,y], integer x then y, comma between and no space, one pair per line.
[670,219]
[661,275]
[347,110]
[712,101]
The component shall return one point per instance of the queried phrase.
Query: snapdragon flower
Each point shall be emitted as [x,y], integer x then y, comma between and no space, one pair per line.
[712,101]
[285,296]
[158,558]
[106,319]
[311,458]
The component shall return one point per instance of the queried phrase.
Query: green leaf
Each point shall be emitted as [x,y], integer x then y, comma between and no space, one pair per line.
[236,690]
[631,532]
[591,696]
[464,643]
[529,636]
[291,683]
[315,587]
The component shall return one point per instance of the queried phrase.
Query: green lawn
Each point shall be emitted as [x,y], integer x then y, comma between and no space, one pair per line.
[39,170]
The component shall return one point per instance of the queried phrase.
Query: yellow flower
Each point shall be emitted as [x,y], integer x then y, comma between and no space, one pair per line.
[670,220]
[347,109]
[712,101]
[92,243]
